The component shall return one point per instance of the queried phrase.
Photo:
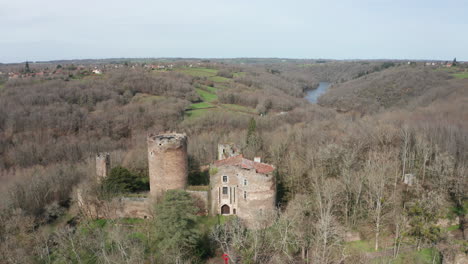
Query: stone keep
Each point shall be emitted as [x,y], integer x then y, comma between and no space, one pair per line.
[102,165]
[167,162]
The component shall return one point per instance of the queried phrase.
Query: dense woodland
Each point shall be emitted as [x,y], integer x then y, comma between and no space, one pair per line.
[340,163]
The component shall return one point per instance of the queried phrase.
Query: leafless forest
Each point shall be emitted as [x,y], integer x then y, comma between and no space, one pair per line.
[340,164]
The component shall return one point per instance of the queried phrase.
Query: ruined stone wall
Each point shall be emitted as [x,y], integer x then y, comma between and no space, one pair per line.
[119,207]
[102,165]
[227,150]
[167,162]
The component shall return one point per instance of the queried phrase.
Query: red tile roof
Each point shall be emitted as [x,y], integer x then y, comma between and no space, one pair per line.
[244,163]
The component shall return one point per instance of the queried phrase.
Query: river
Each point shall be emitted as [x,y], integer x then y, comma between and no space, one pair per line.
[313,95]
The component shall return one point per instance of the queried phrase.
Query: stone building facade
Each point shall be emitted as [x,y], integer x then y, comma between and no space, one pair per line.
[242,187]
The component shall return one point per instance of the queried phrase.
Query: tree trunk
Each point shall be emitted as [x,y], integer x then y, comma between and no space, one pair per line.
[377,225]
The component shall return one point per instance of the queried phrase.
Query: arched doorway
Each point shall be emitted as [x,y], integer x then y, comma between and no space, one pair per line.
[225,209]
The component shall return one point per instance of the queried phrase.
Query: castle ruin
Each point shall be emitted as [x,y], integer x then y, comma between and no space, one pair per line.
[238,186]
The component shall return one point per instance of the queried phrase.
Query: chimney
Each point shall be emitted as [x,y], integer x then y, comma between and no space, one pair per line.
[257,159]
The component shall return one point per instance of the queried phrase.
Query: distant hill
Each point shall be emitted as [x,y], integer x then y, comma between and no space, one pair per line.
[396,86]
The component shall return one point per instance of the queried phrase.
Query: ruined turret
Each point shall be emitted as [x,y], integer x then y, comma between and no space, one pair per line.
[167,162]
[102,165]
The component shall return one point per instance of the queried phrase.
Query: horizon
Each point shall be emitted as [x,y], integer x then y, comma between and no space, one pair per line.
[228,58]
[337,30]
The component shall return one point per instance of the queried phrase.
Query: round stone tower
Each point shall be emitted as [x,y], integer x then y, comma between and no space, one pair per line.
[167,162]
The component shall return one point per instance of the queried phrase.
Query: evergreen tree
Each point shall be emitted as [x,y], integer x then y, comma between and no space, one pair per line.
[252,131]
[176,228]
[454,63]
[26,68]
[254,143]
[121,180]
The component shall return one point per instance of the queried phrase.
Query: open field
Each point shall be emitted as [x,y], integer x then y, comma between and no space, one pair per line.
[461,75]
[238,74]
[193,114]
[219,79]
[201,105]
[206,96]
[199,72]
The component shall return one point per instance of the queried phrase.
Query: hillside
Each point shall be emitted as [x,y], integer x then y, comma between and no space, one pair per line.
[394,87]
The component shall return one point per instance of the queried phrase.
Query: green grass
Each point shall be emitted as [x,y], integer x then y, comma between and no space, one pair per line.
[193,114]
[361,246]
[209,88]
[452,228]
[424,256]
[200,105]
[219,79]
[238,74]
[211,221]
[461,75]
[199,72]
[206,96]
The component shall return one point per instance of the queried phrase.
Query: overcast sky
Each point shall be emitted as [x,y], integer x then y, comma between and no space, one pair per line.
[337,29]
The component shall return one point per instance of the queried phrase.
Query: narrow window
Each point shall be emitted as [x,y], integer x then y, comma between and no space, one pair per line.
[224,178]
[245,182]
[245,195]
[234,211]
[225,190]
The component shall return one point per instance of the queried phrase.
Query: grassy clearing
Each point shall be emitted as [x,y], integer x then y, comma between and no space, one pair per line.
[219,79]
[238,74]
[452,228]
[461,75]
[200,105]
[425,256]
[194,114]
[361,246]
[210,221]
[199,72]
[240,108]
[206,96]
[209,88]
